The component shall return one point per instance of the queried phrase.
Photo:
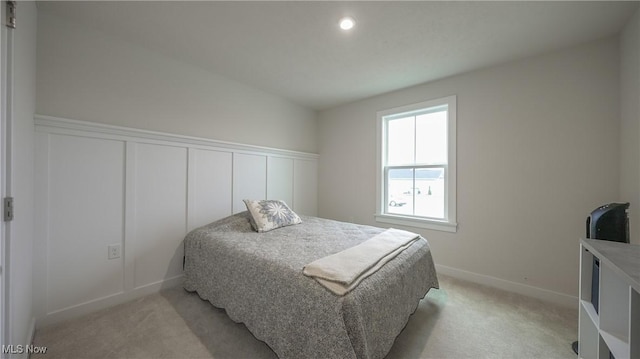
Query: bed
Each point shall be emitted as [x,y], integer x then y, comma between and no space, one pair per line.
[257,278]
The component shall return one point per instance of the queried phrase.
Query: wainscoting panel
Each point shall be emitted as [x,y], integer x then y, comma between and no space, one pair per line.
[160,206]
[102,186]
[305,187]
[85,216]
[249,179]
[280,179]
[210,173]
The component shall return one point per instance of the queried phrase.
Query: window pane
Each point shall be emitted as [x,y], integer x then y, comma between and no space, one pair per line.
[399,196]
[431,138]
[400,134]
[429,189]
[416,171]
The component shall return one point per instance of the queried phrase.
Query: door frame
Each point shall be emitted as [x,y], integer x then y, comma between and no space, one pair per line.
[6,114]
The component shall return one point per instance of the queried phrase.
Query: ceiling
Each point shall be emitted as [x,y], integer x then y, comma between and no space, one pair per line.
[296,49]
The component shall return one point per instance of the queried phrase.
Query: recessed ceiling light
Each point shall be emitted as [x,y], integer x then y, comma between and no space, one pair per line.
[347,23]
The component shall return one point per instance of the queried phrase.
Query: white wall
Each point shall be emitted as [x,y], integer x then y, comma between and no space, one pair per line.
[146,195]
[20,244]
[630,122]
[85,75]
[537,151]
[99,186]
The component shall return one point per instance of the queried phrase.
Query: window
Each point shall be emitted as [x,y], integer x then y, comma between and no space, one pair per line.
[416,165]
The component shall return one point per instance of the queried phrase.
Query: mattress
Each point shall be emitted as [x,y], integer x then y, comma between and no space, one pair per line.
[257,278]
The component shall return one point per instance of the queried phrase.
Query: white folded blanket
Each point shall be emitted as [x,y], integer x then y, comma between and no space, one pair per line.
[343,271]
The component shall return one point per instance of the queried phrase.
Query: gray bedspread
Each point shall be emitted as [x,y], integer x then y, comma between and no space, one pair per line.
[257,278]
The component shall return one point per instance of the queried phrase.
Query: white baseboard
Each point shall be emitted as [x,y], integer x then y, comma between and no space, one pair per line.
[562,299]
[106,302]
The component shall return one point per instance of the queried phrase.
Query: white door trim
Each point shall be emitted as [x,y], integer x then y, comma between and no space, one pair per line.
[6,114]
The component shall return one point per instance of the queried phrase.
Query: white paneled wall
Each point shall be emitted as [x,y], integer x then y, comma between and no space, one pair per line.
[305,184]
[160,193]
[85,213]
[100,186]
[280,179]
[210,185]
[249,179]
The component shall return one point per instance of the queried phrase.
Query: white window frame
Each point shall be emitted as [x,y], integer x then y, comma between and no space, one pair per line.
[449,223]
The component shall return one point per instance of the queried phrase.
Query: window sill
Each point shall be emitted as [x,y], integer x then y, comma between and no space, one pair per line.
[418,223]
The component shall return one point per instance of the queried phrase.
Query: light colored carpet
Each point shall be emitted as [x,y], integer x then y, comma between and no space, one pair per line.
[461,320]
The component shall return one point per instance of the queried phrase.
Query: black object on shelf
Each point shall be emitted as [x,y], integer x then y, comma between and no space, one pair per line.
[611,223]
[595,283]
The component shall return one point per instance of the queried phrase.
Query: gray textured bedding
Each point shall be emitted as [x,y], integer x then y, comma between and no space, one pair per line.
[257,278]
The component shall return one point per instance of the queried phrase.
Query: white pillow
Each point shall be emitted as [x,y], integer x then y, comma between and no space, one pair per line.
[270,214]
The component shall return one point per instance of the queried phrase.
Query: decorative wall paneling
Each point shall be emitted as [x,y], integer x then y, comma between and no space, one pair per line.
[101,186]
